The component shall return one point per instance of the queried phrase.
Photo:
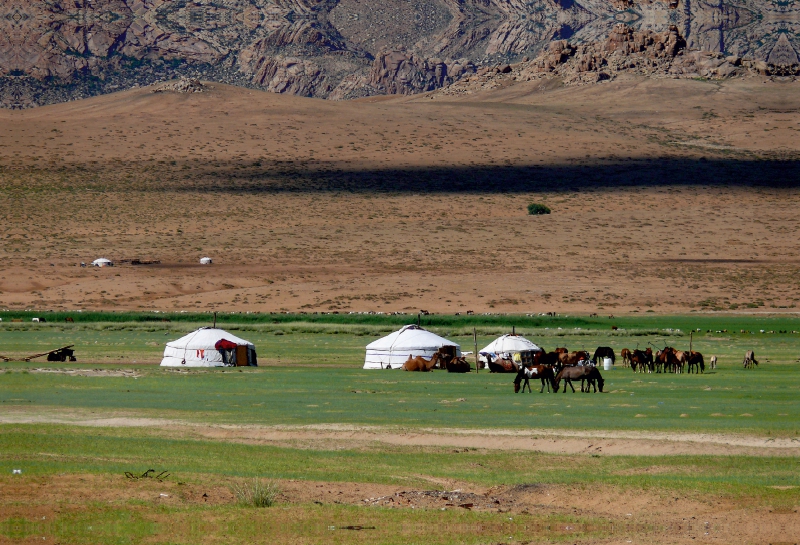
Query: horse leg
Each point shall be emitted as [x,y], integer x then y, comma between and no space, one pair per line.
[569,381]
[528,384]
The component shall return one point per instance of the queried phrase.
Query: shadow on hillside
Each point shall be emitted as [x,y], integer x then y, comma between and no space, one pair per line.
[284,177]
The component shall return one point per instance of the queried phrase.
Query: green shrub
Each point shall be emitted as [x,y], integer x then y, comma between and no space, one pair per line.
[536,209]
[256,493]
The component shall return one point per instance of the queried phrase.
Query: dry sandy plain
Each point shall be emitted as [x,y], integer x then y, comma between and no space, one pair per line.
[667,195]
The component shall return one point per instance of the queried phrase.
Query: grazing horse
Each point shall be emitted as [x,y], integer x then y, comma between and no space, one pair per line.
[420,364]
[695,361]
[579,372]
[749,360]
[543,372]
[626,357]
[604,352]
[713,362]
[69,320]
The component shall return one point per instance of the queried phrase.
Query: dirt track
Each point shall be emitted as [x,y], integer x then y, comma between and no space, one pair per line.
[605,442]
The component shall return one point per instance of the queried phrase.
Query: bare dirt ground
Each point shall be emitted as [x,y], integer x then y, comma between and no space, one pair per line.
[335,436]
[667,195]
[622,515]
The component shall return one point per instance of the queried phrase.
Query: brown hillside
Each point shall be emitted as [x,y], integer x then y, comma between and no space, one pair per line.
[668,195]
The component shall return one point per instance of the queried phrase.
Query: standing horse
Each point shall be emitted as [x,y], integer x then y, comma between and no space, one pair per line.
[604,352]
[642,361]
[696,362]
[543,372]
[626,357]
[713,362]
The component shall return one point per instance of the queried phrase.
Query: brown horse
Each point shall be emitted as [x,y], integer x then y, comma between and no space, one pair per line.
[420,364]
[696,362]
[642,361]
[626,357]
[582,373]
[543,372]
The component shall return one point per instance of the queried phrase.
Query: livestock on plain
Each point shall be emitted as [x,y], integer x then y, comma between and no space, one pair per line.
[750,360]
[582,373]
[525,374]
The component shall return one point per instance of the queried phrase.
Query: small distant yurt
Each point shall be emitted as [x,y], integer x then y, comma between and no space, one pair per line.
[393,350]
[102,262]
[205,261]
[209,347]
[514,347]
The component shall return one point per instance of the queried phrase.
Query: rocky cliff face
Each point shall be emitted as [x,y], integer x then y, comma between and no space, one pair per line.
[53,50]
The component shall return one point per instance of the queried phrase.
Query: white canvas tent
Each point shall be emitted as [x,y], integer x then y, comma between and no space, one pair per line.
[206,261]
[209,347]
[393,350]
[508,344]
[102,262]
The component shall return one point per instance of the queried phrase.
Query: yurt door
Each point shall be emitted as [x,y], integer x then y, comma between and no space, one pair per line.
[241,356]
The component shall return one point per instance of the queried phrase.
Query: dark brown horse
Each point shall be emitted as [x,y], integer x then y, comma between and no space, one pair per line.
[604,352]
[642,360]
[695,361]
[582,373]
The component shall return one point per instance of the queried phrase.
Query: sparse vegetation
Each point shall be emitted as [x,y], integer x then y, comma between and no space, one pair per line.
[537,209]
[256,493]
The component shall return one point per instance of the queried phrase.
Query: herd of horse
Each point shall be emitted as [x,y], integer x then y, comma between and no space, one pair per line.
[561,364]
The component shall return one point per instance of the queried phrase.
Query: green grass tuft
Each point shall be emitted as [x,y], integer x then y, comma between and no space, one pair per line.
[256,493]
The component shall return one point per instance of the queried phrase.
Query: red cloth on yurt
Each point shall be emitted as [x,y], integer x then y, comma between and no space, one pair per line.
[224,344]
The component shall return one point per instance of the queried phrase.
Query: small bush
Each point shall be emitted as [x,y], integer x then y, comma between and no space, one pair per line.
[536,209]
[256,493]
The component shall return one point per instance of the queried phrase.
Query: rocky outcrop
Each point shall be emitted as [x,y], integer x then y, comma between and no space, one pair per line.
[403,73]
[626,51]
[183,85]
[51,50]
[288,75]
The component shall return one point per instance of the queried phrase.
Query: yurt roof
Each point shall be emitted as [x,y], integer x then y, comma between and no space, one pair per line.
[206,338]
[101,260]
[510,343]
[410,337]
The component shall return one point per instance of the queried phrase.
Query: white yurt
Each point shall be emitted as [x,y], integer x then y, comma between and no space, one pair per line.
[393,350]
[205,261]
[209,347]
[102,262]
[508,345]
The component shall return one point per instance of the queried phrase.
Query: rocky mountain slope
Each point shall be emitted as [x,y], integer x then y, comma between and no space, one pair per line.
[53,50]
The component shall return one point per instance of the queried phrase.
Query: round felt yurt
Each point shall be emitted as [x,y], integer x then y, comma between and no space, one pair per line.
[102,262]
[506,346]
[392,351]
[209,347]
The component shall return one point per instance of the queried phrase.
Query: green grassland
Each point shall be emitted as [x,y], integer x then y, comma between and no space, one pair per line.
[760,402]
[311,373]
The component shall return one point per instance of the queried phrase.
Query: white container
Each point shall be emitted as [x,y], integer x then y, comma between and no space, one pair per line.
[608,365]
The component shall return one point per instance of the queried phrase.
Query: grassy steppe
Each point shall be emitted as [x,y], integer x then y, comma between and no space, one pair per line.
[310,374]
[764,401]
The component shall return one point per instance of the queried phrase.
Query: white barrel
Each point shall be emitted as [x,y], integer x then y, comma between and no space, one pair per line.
[607,364]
